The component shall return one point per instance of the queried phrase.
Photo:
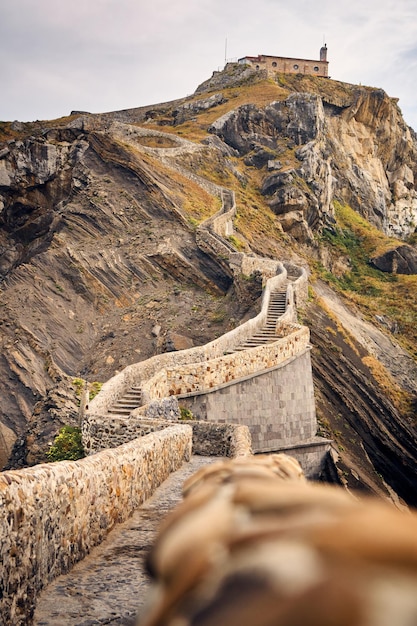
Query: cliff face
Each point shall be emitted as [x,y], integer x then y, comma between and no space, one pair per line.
[100,267]
[320,147]
[94,255]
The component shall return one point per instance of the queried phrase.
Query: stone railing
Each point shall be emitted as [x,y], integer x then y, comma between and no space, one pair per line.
[194,377]
[154,369]
[51,515]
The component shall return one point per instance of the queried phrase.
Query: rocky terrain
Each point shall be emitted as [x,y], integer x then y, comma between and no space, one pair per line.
[99,264]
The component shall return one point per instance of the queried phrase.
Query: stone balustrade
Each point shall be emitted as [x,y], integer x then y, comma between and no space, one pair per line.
[209,438]
[151,373]
[199,377]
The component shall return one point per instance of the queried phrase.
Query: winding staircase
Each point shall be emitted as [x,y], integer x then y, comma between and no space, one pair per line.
[132,399]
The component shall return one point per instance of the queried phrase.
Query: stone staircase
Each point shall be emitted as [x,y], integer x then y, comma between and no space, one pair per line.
[267,334]
[131,400]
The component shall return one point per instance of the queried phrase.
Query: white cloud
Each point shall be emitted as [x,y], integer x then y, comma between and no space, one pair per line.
[108,54]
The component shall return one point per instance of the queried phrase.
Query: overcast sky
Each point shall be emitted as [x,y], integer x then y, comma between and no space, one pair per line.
[105,55]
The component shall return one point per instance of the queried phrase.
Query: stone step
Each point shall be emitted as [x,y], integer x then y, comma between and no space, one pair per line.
[258,342]
[125,405]
[132,399]
[267,334]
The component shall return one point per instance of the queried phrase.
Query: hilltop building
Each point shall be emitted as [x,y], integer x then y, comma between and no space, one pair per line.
[288,65]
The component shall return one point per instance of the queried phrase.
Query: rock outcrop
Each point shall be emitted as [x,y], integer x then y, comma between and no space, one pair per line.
[400,260]
[361,153]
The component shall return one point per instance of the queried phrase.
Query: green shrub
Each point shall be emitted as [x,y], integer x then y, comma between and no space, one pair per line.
[67,445]
[186,413]
[94,389]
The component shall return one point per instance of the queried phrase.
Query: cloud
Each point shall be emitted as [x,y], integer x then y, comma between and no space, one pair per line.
[109,54]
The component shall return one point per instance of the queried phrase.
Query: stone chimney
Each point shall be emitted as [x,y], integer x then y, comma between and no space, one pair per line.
[323,53]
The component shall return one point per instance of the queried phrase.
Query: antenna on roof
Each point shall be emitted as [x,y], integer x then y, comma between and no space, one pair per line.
[225,51]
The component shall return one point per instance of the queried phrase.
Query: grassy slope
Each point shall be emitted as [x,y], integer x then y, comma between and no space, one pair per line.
[393,296]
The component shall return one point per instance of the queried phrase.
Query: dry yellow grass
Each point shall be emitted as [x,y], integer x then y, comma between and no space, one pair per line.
[400,398]
[374,292]
[376,241]
[259,94]
[345,334]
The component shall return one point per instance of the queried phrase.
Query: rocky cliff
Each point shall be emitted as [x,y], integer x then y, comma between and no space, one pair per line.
[100,266]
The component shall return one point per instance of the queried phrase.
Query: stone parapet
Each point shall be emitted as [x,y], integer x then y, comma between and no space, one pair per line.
[276,404]
[201,377]
[215,439]
[209,438]
[51,515]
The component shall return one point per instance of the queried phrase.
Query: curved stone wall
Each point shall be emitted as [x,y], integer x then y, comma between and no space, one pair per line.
[51,515]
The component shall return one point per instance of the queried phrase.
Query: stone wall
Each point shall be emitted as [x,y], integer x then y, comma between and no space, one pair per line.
[273,64]
[277,406]
[151,374]
[200,377]
[209,438]
[311,455]
[214,439]
[51,515]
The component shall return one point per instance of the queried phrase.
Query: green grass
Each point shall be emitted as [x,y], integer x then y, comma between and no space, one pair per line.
[375,292]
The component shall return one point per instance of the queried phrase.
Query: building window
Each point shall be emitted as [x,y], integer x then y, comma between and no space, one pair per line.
[274,63]
[257,67]
[316,68]
[296,66]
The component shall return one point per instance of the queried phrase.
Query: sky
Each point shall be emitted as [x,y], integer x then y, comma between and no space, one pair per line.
[104,55]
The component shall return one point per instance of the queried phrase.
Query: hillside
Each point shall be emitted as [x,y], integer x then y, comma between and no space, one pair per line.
[100,267]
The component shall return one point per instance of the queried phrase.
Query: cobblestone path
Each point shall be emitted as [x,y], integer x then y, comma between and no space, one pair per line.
[109,585]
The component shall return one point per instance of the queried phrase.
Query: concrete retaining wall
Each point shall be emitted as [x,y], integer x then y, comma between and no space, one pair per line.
[311,455]
[277,406]
[51,515]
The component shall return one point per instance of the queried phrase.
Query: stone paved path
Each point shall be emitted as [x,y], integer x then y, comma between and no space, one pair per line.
[109,585]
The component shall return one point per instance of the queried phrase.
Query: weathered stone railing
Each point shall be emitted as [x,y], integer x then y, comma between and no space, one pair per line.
[198,377]
[51,515]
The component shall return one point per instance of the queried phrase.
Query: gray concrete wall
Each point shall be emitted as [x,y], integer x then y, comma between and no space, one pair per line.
[277,406]
[311,455]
